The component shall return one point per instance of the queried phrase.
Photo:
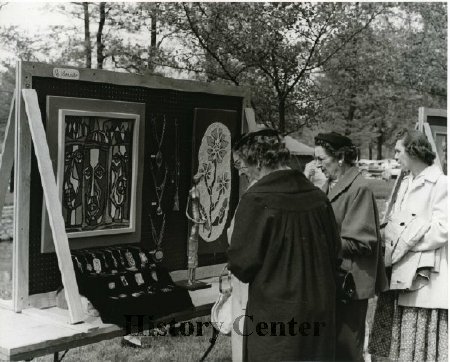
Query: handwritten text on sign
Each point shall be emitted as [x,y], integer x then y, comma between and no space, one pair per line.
[63,73]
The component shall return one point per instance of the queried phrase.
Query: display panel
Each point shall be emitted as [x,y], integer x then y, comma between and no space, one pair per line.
[96,156]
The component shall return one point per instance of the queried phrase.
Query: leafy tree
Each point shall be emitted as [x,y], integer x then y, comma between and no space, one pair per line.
[378,84]
[279,44]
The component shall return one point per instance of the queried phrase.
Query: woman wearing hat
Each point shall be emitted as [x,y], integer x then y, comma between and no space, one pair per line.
[356,214]
[285,244]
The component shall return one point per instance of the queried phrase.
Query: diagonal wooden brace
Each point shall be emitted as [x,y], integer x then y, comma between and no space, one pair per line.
[53,204]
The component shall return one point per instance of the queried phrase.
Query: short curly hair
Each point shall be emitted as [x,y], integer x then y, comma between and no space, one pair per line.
[264,148]
[417,146]
[348,154]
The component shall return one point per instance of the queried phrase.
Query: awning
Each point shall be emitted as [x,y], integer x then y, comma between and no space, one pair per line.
[298,148]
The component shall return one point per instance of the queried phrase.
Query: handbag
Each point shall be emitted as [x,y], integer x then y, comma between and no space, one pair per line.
[221,314]
[346,287]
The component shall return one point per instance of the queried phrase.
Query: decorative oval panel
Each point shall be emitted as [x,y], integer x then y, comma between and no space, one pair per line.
[214,160]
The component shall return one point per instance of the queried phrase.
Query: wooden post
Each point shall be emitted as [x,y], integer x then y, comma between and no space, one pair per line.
[250,117]
[22,171]
[53,204]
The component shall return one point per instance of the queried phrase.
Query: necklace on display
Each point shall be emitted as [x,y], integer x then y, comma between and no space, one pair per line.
[158,239]
[143,258]
[116,264]
[79,265]
[159,190]
[159,140]
[130,260]
[176,201]
[88,265]
[96,262]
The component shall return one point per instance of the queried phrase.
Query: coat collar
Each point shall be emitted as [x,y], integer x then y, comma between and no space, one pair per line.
[285,181]
[343,184]
[431,173]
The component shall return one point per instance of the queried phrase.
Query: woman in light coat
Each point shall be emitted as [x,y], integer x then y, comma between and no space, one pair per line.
[411,319]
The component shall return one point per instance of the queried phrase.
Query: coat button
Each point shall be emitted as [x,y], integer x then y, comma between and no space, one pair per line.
[402,224]
[413,214]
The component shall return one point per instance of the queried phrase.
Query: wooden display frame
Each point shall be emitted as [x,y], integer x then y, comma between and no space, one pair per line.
[424,126]
[24,133]
[57,106]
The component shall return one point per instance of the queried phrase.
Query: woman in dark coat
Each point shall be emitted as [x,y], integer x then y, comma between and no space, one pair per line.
[285,244]
[356,213]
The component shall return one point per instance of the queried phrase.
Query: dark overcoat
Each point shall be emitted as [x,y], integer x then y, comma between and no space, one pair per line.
[285,244]
[356,214]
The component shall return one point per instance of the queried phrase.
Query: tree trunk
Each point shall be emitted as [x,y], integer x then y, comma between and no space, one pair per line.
[370,150]
[152,41]
[282,114]
[100,45]
[87,36]
[380,146]
[349,120]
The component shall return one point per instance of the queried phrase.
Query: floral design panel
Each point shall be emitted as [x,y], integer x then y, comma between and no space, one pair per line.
[214,160]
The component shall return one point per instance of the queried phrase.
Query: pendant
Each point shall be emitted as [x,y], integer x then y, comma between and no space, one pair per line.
[159,159]
[144,259]
[176,204]
[104,261]
[139,278]
[159,255]
[116,265]
[97,265]
[124,281]
[159,210]
[154,275]
[130,259]
[80,267]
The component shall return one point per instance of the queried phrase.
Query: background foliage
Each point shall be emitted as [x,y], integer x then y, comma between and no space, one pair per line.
[362,69]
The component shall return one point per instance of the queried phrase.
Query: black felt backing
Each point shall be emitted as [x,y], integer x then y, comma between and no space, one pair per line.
[174,105]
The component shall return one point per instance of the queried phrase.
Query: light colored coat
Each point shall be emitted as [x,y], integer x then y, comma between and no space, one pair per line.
[426,198]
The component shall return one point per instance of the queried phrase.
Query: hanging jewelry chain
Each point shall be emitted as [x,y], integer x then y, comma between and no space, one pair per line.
[176,203]
[159,190]
[158,239]
[159,140]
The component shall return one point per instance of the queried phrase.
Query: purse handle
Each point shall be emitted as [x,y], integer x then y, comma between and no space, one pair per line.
[228,275]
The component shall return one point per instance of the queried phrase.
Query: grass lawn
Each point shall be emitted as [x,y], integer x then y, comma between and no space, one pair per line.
[163,348]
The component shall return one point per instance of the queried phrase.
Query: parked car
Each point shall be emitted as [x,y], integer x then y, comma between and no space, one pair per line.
[385,169]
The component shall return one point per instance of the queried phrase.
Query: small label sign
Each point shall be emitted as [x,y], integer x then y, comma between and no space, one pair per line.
[64,73]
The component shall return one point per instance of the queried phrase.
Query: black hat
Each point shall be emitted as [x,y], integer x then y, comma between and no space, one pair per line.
[334,139]
[267,132]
